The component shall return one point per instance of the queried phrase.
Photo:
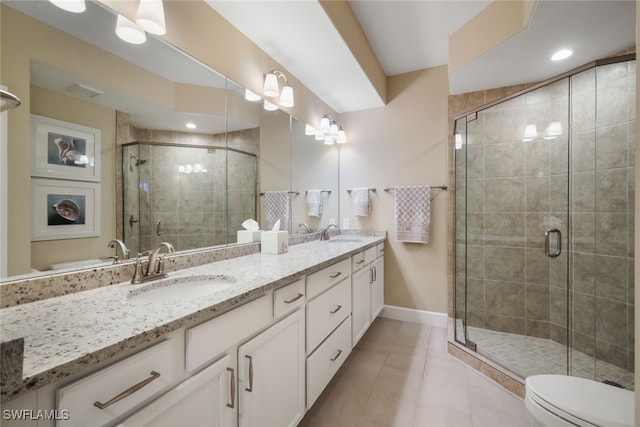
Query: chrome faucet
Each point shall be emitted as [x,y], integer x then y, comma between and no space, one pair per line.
[325,232]
[306,226]
[121,250]
[155,265]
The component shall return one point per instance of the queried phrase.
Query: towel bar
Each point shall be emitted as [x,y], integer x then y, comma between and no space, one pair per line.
[442,187]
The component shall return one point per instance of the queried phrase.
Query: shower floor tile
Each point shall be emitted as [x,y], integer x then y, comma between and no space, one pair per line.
[530,356]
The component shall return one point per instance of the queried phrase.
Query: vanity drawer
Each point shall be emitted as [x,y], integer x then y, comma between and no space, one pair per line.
[288,298]
[326,312]
[144,374]
[357,261]
[323,364]
[370,255]
[327,277]
[380,249]
[204,342]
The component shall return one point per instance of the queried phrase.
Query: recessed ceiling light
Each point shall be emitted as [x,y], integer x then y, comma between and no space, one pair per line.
[561,54]
[191,125]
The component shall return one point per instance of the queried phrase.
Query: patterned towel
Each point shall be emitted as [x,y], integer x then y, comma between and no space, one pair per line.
[277,206]
[314,203]
[413,214]
[361,201]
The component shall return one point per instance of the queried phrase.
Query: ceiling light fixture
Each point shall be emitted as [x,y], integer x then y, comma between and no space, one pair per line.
[561,54]
[74,6]
[129,31]
[190,125]
[330,131]
[150,16]
[271,89]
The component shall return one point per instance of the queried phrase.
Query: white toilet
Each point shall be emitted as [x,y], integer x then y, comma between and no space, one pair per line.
[560,400]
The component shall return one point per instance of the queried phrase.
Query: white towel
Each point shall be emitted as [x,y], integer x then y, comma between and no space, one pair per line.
[361,201]
[277,205]
[413,214]
[314,203]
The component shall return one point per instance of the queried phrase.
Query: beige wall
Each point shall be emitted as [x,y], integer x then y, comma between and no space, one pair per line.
[403,143]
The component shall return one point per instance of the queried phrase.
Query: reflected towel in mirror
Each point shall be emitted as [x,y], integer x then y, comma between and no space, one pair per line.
[361,201]
[314,203]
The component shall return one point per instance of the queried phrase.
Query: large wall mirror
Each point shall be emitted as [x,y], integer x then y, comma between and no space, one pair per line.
[159,180]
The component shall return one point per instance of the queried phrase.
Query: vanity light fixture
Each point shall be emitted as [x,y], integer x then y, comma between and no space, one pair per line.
[74,6]
[150,16]
[561,54]
[129,31]
[330,131]
[271,89]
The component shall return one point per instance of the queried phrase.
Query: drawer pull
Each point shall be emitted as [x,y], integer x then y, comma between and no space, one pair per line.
[250,388]
[233,389]
[335,310]
[335,275]
[334,358]
[359,262]
[375,274]
[128,392]
[296,298]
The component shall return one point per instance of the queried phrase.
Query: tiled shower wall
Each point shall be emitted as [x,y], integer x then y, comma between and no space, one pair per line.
[516,190]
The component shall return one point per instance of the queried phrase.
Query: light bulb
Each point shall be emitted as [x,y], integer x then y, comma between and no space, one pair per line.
[325,124]
[128,31]
[286,97]
[561,54]
[271,88]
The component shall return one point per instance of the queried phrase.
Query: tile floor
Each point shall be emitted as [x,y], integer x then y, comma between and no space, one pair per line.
[400,375]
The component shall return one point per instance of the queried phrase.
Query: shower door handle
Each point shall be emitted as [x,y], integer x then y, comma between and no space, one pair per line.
[547,235]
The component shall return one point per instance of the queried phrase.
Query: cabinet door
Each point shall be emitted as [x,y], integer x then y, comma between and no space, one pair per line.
[377,288]
[271,377]
[206,399]
[360,303]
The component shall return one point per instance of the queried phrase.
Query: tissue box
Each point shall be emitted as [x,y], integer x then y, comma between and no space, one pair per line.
[249,236]
[274,242]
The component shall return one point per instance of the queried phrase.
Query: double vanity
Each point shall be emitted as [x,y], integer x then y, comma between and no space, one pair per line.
[246,341]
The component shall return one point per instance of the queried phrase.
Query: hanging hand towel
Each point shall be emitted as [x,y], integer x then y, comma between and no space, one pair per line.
[277,205]
[413,214]
[314,203]
[361,201]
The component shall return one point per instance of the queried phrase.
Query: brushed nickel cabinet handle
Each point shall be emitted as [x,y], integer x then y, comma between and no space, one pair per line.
[359,262]
[334,358]
[250,388]
[335,275]
[296,298]
[128,392]
[335,310]
[232,389]
[375,274]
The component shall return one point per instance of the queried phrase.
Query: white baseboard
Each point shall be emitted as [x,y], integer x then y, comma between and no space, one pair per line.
[428,318]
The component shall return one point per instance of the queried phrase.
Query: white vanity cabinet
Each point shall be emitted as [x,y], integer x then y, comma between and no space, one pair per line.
[271,375]
[367,289]
[206,399]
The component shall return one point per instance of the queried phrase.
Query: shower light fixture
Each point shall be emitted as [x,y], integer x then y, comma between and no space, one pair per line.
[271,89]
[129,31]
[74,6]
[330,131]
[561,54]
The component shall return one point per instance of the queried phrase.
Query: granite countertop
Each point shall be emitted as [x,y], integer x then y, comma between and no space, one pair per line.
[66,334]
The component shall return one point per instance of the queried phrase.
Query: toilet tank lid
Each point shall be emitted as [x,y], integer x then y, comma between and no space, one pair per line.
[592,401]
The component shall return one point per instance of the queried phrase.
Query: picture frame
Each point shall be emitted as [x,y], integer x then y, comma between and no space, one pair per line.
[64,209]
[64,150]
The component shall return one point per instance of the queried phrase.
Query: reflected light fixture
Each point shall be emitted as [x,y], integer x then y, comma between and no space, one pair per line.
[554,130]
[150,16]
[270,106]
[251,96]
[530,133]
[561,54]
[271,89]
[74,6]
[309,130]
[458,140]
[330,131]
[129,31]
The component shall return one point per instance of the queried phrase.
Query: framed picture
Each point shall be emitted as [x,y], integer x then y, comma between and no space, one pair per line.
[64,209]
[64,150]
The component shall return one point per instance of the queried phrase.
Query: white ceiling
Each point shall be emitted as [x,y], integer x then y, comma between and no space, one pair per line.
[413,35]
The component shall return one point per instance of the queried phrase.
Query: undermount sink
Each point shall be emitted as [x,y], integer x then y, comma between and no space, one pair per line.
[339,240]
[181,288]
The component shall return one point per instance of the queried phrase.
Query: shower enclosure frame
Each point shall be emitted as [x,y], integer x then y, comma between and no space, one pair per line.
[466,351]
